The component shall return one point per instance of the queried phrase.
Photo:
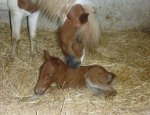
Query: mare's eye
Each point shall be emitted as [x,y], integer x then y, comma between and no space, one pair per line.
[50,75]
[79,39]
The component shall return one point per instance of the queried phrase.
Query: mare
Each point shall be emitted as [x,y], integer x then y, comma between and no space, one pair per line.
[19,9]
[95,77]
[75,22]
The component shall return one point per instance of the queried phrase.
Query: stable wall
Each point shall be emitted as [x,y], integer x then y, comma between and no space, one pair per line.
[113,14]
[123,14]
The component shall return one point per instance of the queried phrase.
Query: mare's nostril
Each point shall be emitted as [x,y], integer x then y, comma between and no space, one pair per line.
[76,64]
[69,59]
[72,62]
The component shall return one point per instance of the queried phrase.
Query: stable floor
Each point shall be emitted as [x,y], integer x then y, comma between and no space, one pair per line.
[127,54]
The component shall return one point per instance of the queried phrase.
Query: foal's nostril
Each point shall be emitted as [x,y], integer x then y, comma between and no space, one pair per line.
[39,91]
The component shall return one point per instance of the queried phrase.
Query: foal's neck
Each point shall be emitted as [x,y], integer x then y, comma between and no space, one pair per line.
[60,65]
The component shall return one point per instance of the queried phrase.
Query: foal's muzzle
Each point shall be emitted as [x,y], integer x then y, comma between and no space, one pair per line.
[72,61]
[39,91]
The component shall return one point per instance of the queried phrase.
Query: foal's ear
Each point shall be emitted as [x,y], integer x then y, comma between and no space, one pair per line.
[46,55]
[84,18]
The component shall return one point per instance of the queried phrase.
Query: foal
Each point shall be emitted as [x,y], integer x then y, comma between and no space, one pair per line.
[95,77]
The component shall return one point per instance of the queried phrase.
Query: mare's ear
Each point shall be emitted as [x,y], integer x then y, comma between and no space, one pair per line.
[84,18]
[46,55]
[70,15]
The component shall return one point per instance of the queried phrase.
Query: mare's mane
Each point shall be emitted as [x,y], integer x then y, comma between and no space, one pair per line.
[55,10]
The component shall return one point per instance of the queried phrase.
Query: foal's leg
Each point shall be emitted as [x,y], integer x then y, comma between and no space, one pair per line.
[94,88]
[32,22]
[100,87]
[16,18]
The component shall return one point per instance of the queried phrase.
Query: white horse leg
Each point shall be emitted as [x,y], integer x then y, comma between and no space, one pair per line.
[32,22]
[83,55]
[16,18]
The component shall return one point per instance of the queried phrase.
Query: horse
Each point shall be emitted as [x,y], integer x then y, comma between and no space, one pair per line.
[54,70]
[19,9]
[75,21]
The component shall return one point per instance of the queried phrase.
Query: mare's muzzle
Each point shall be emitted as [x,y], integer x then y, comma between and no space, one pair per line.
[72,61]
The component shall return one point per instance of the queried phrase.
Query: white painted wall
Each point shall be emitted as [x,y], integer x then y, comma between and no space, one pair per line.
[3,5]
[123,14]
[113,14]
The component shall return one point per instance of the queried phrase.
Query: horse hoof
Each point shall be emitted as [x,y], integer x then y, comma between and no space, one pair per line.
[110,94]
[12,57]
[33,55]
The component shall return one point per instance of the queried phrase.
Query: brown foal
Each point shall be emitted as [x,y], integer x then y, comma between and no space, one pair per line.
[95,77]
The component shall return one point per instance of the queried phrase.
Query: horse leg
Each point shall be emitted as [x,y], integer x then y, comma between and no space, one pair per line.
[32,22]
[92,87]
[100,88]
[16,18]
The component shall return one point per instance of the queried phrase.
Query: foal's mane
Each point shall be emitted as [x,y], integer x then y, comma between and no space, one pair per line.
[55,61]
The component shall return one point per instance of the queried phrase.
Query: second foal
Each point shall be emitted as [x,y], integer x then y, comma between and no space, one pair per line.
[95,77]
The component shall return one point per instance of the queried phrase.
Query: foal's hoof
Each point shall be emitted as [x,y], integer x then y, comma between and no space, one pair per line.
[110,94]
[12,57]
[33,55]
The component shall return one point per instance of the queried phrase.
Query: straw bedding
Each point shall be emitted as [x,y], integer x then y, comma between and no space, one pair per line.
[127,54]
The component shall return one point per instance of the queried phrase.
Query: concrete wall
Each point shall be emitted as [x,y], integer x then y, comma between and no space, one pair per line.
[113,14]
[123,14]
[4,16]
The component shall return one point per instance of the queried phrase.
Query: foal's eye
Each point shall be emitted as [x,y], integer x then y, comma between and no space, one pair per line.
[50,75]
[79,39]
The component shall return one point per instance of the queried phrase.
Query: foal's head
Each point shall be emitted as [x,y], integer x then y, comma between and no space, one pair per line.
[47,71]
[70,35]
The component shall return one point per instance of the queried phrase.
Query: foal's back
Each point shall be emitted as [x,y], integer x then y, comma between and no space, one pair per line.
[69,77]
[95,77]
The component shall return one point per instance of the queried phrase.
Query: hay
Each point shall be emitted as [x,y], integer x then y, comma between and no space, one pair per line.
[125,53]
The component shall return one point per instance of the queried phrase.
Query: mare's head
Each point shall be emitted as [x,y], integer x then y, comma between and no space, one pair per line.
[71,36]
[47,71]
